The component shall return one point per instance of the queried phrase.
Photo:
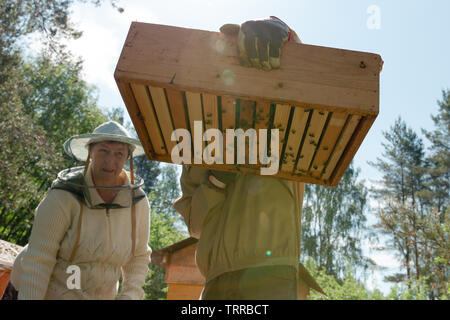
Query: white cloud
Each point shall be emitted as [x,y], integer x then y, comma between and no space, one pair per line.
[104,32]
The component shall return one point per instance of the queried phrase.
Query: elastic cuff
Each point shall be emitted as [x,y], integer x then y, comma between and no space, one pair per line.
[216,182]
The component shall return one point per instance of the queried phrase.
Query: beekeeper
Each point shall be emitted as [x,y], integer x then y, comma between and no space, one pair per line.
[92,226]
[248,226]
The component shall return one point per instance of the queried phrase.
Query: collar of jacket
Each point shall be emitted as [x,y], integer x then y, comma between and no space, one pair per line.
[82,187]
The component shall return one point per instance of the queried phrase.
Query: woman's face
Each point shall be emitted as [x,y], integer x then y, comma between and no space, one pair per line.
[108,159]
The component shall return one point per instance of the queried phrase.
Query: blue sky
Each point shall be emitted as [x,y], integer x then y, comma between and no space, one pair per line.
[413,40]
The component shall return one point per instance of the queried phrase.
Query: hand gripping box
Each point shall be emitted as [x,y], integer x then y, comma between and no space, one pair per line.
[312,113]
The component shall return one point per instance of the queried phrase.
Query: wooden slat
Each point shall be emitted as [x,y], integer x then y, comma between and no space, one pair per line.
[311,142]
[280,122]
[163,115]
[228,121]
[246,113]
[211,116]
[146,108]
[262,115]
[296,131]
[340,145]
[210,111]
[136,117]
[328,142]
[175,99]
[262,121]
[194,104]
[352,147]
[228,113]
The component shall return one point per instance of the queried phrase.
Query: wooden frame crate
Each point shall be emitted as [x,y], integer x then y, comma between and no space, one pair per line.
[322,100]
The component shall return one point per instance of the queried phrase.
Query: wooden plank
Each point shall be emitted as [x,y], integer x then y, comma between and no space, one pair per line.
[309,75]
[296,131]
[210,111]
[256,171]
[228,113]
[246,113]
[280,122]
[262,115]
[228,122]
[311,142]
[163,116]
[175,99]
[262,121]
[347,133]
[136,117]
[352,147]
[328,142]
[194,104]
[151,124]
[211,116]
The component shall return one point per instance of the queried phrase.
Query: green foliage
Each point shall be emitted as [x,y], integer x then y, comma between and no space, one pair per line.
[346,289]
[414,205]
[351,289]
[43,102]
[27,161]
[400,204]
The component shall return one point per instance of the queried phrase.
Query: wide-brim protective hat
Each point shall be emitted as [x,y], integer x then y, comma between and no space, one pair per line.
[77,146]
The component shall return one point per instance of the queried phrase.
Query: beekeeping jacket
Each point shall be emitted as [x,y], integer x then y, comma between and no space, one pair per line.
[79,246]
[254,221]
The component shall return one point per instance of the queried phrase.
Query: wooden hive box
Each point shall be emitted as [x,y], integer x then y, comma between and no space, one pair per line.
[184,280]
[322,100]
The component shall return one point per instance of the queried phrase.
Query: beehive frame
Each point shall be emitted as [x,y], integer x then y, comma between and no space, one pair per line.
[322,100]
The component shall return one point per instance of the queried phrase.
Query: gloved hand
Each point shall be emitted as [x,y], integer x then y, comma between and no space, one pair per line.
[220,179]
[260,41]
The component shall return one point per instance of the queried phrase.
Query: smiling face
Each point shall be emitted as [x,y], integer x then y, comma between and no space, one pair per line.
[108,159]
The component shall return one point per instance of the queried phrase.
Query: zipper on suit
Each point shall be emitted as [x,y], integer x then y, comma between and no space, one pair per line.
[108,235]
[108,244]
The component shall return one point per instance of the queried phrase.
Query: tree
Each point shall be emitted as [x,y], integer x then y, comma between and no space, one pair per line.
[439,160]
[59,100]
[434,228]
[347,288]
[398,192]
[28,160]
[333,222]
[31,158]
[166,229]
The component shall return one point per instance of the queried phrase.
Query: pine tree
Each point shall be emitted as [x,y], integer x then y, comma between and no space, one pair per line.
[333,222]
[435,227]
[403,178]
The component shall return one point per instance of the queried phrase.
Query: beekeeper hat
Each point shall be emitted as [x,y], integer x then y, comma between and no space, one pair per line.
[77,146]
